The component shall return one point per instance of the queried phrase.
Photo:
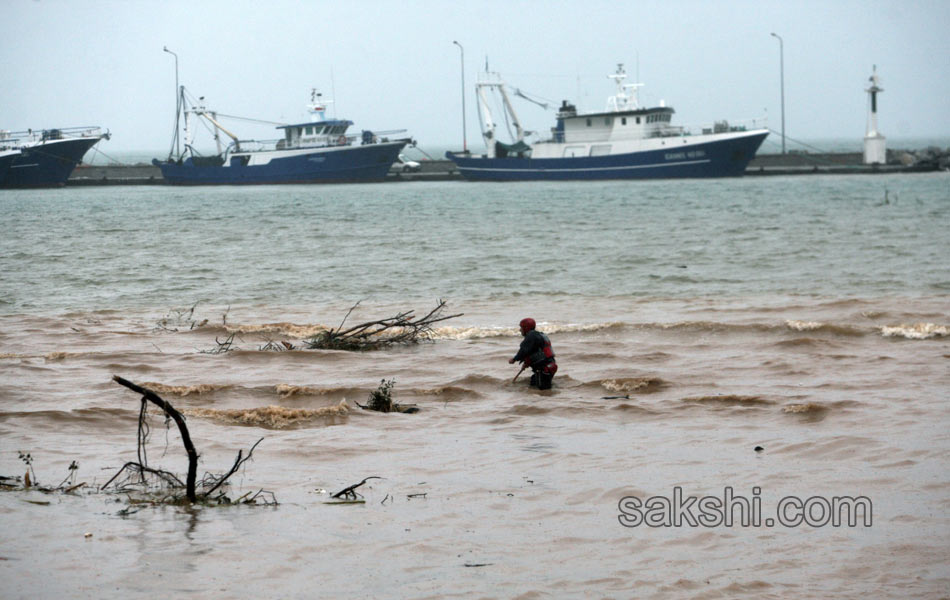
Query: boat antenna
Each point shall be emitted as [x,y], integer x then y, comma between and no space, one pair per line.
[178,102]
[333,91]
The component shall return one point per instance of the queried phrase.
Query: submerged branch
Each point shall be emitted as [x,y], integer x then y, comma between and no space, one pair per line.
[182,428]
[210,482]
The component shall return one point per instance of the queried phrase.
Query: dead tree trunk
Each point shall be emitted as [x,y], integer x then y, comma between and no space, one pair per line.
[182,428]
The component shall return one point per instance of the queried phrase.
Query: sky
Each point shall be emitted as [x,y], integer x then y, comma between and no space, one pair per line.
[391,64]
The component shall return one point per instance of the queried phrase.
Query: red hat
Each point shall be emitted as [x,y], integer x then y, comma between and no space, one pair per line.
[527,324]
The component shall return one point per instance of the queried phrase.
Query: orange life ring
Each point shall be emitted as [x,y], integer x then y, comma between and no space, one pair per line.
[341,140]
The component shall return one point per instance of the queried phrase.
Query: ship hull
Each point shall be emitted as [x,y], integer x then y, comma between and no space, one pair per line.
[47,164]
[6,161]
[341,164]
[727,157]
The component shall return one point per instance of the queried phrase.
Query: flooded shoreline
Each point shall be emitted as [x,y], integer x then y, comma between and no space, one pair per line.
[749,335]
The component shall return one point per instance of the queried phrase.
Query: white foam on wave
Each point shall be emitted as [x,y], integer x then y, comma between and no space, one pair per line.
[916,331]
[804,325]
[470,333]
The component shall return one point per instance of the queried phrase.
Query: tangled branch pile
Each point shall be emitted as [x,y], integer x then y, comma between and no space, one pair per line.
[401,329]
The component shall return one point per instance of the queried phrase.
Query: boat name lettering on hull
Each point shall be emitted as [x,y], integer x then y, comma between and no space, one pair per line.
[684,155]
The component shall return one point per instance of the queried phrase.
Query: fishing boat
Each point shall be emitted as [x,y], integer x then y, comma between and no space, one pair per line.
[44,157]
[318,151]
[625,141]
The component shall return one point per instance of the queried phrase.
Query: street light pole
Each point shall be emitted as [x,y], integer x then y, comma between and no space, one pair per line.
[781,55]
[464,134]
[177,103]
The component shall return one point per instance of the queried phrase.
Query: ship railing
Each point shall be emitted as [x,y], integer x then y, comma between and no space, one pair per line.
[29,136]
[725,126]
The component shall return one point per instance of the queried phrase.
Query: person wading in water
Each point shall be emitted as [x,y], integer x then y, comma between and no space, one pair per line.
[536,352]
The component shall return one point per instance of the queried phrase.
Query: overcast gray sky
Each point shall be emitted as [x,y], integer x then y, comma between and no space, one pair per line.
[392,64]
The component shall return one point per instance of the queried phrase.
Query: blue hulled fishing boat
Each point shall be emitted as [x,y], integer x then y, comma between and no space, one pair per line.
[318,151]
[44,157]
[626,141]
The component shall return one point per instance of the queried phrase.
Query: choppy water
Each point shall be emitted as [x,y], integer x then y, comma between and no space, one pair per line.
[692,320]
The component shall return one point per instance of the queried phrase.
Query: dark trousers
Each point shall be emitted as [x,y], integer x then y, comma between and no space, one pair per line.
[541,380]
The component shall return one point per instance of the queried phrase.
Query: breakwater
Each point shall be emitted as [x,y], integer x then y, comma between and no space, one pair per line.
[795,163]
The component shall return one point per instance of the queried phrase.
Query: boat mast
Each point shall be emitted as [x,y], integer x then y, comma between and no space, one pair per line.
[318,106]
[210,116]
[622,100]
[488,124]
[482,89]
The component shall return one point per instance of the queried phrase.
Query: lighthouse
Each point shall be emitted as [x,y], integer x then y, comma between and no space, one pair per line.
[874,142]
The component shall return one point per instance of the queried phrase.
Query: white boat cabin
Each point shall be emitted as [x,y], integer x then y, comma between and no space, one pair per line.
[314,134]
[612,126]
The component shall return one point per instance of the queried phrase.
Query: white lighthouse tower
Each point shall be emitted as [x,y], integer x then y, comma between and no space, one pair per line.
[874,142]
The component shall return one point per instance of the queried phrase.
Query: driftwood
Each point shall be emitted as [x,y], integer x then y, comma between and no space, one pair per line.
[402,328]
[210,483]
[350,493]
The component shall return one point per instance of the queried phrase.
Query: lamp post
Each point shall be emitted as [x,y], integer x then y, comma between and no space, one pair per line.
[177,103]
[781,55]
[464,134]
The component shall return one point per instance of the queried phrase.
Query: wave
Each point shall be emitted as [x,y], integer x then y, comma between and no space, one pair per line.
[185,390]
[808,412]
[447,392]
[634,409]
[824,327]
[289,329]
[709,326]
[805,408]
[271,417]
[78,416]
[528,410]
[641,385]
[917,331]
[286,390]
[805,342]
[469,333]
[729,400]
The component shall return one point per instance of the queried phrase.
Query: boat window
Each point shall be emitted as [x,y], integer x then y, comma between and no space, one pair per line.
[623,121]
[638,120]
[607,121]
[309,130]
[588,122]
